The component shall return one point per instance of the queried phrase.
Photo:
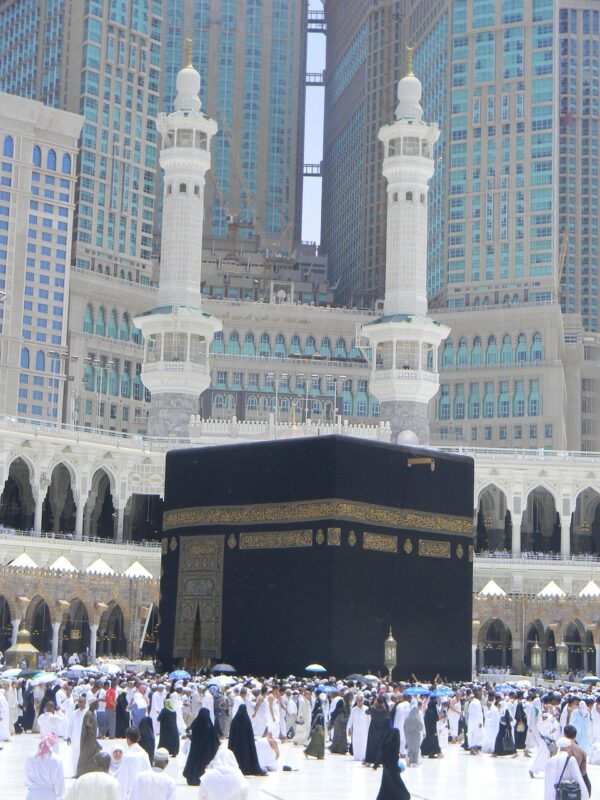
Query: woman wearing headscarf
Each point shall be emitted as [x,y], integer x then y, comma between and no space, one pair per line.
[316,742]
[242,744]
[505,744]
[380,717]
[169,730]
[580,719]
[392,785]
[430,746]
[147,741]
[44,773]
[115,760]
[413,728]
[204,744]
[122,716]
[339,723]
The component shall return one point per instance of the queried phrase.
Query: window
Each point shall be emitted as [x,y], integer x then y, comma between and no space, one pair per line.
[506,354]
[40,361]
[182,188]
[66,164]
[537,350]
[51,160]
[521,354]
[88,320]
[491,352]
[37,157]
[24,358]
[8,147]
[447,354]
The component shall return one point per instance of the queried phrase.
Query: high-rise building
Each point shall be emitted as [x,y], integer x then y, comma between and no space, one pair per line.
[38,152]
[252,58]
[362,71]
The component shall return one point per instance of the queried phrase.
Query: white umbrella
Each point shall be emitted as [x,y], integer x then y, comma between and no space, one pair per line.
[315,668]
[222,681]
[77,668]
[110,669]
[10,673]
[43,677]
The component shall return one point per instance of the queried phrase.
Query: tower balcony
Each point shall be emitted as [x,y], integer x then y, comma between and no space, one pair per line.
[406,384]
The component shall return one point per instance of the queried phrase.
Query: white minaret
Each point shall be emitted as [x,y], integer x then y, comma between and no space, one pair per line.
[177,332]
[405,342]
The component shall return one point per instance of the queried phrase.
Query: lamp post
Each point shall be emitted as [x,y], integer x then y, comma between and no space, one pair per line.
[536,658]
[334,379]
[390,653]
[562,657]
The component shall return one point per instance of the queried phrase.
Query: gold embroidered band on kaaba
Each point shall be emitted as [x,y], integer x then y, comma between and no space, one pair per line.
[311,510]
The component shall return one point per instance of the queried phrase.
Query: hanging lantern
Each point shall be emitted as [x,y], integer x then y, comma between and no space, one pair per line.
[562,657]
[536,657]
[390,652]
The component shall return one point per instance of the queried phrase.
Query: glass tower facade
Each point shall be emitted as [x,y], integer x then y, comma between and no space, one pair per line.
[251,55]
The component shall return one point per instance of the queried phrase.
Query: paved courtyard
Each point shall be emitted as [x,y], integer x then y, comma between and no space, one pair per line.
[456,777]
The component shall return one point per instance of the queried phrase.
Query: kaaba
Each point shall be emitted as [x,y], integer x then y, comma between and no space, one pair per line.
[279,554]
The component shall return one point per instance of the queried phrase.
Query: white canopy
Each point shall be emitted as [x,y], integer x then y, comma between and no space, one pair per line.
[591,589]
[100,567]
[491,589]
[136,570]
[22,561]
[63,564]
[552,589]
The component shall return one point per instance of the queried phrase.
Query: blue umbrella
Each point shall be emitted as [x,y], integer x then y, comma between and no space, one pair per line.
[442,691]
[416,691]
[179,675]
[328,689]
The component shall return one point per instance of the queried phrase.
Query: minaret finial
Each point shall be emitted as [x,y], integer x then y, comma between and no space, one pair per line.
[188,50]
[409,61]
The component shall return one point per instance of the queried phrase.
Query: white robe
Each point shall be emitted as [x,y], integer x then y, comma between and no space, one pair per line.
[4,718]
[260,717]
[223,779]
[156,706]
[134,761]
[74,735]
[96,785]
[177,701]
[554,767]
[153,784]
[475,724]
[208,702]
[595,729]
[454,716]
[548,727]
[490,729]
[400,716]
[44,777]
[266,755]
[358,728]
[302,721]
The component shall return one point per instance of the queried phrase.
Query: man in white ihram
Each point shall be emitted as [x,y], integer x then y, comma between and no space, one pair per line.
[154,783]
[133,762]
[475,732]
[556,767]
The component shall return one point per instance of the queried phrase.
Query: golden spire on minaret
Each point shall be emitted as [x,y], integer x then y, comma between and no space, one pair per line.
[188,50]
[409,61]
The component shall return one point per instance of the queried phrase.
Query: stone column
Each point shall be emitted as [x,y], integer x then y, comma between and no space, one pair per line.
[565,535]
[55,630]
[37,517]
[93,635]
[480,649]
[15,629]
[119,519]
[597,649]
[516,533]
[474,659]
[79,520]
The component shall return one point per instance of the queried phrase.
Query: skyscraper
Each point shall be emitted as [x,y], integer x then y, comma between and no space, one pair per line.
[362,72]
[252,58]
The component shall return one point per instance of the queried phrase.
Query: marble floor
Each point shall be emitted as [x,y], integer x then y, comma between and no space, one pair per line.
[456,777]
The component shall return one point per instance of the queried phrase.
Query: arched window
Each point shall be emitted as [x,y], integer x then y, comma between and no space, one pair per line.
[124,329]
[476,352]
[37,156]
[462,357]
[138,388]
[506,301]
[112,331]
[100,329]
[51,160]
[265,345]
[409,197]
[506,354]
[233,348]
[491,354]
[113,381]
[325,349]
[66,164]
[521,353]
[477,302]
[295,344]
[309,350]
[9,147]
[251,402]
[24,358]
[280,346]
[217,344]
[125,385]
[182,188]
[197,190]
[534,403]
[88,319]
[444,402]
[88,378]
[448,354]
[136,336]
[537,350]
[340,348]
[40,361]
[249,348]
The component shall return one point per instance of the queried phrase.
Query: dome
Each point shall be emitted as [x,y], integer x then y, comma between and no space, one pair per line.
[188,89]
[410,92]
[408,437]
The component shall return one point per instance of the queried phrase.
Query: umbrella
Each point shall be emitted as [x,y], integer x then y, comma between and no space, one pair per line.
[28,673]
[226,668]
[371,678]
[590,679]
[442,691]
[315,668]
[179,675]
[416,691]
[43,677]
[327,689]
[223,681]
[76,668]
[110,669]
[10,673]
[356,676]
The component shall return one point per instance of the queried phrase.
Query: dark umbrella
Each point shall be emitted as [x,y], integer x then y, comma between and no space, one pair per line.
[224,668]
[29,673]
[355,677]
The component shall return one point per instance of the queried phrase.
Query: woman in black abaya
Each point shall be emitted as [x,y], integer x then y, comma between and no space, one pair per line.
[169,733]
[242,744]
[122,716]
[316,742]
[392,785]
[203,747]
[147,740]
[430,746]
[380,725]
[505,744]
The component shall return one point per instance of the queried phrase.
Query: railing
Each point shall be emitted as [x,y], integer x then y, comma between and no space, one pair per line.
[72,538]
[404,375]
[512,454]
[527,558]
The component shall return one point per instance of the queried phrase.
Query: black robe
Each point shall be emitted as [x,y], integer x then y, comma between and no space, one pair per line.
[169,732]
[521,720]
[430,746]
[505,745]
[203,747]
[242,744]
[122,716]
[28,710]
[377,732]
[392,785]
[147,741]
[316,741]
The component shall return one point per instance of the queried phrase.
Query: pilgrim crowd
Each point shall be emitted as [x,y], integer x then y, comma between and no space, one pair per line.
[115,736]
